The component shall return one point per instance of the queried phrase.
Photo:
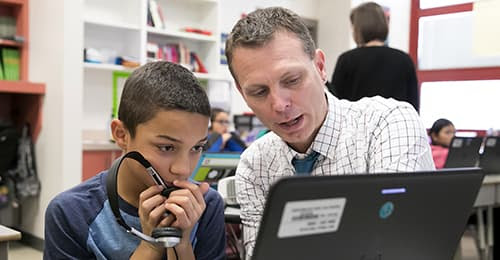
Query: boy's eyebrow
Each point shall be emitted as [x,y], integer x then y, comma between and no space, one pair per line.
[179,141]
[169,138]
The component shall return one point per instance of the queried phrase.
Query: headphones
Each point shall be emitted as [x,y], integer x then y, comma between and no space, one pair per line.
[165,236]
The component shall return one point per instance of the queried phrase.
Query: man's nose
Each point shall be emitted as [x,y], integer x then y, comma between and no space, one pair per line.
[280,100]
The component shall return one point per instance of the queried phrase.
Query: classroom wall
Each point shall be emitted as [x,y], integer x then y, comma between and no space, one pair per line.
[56,44]
[333,28]
[55,47]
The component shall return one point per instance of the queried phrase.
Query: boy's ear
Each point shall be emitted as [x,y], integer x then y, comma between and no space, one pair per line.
[120,133]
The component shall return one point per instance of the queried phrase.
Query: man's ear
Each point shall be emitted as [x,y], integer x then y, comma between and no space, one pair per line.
[320,64]
[120,133]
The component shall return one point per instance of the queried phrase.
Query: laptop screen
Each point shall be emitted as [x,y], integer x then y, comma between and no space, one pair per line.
[215,166]
[379,216]
[463,152]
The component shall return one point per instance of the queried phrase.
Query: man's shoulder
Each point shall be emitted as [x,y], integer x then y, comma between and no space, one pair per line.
[262,146]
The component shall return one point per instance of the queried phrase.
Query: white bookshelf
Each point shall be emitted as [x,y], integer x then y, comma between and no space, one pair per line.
[105,67]
[182,35]
[119,27]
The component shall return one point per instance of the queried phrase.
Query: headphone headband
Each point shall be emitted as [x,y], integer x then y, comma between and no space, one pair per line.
[170,236]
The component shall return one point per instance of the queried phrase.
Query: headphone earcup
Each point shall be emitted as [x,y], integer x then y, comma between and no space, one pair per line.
[166,232]
[167,236]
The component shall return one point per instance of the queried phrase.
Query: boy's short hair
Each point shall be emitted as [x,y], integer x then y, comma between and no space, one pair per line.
[259,27]
[159,86]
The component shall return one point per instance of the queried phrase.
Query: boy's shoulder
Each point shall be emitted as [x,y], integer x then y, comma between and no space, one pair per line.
[212,197]
[85,199]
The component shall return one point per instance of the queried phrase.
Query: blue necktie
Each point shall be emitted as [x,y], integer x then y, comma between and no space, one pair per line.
[305,166]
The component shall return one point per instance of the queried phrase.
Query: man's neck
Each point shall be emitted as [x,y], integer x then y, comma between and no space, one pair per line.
[303,147]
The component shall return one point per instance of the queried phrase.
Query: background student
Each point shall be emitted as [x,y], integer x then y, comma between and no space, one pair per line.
[281,76]
[441,134]
[372,68]
[219,137]
[163,115]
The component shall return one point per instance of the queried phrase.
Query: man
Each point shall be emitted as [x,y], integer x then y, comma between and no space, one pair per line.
[281,76]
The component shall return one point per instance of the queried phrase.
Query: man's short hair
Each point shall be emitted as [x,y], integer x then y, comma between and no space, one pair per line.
[258,28]
[369,23]
[158,86]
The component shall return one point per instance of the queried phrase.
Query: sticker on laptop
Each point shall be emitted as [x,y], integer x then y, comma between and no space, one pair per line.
[457,143]
[310,217]
[491,142]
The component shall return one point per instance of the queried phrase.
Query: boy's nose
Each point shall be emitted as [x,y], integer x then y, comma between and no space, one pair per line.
[181,166]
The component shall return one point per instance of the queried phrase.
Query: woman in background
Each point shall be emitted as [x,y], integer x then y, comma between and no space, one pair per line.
[219,137]
[441,134]
[373,68]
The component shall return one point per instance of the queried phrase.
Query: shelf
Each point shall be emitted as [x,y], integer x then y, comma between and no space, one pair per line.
[182,35]
[21,87]
[112,24]
[211,76]
[13,2]
[10,43]
[105,66]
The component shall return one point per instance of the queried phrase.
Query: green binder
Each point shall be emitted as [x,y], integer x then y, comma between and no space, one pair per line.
[11,61]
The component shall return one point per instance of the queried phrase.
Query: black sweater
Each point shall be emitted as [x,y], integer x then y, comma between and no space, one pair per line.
[371,71]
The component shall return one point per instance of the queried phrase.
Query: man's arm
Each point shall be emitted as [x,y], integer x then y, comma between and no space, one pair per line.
[250,196]
[399,143]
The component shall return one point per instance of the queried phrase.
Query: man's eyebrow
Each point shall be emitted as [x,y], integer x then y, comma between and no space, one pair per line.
[203,139]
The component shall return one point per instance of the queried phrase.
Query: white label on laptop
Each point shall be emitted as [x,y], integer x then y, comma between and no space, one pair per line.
[310,217]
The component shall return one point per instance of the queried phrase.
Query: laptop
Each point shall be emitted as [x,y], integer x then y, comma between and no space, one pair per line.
[215,166]
[490,159]
[378,216]
[463,152]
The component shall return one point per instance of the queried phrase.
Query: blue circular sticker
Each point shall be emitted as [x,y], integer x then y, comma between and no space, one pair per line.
[386,210]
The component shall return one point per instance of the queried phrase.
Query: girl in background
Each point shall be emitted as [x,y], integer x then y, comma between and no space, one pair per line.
[441,134]
[219,137]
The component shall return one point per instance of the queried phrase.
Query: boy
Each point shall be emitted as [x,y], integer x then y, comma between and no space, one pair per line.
[163,115]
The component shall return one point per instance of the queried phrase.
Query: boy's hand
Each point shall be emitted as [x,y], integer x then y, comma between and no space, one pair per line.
[150,210]
[187,204]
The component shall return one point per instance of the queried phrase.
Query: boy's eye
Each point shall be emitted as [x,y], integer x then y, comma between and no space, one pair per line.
[198,148]
[166,148]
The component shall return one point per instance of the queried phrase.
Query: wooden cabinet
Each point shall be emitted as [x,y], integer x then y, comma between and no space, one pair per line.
[20,101]
[95,161]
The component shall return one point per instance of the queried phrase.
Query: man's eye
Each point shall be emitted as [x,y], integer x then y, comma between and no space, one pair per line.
[292,81]
[166,148]
[259,93]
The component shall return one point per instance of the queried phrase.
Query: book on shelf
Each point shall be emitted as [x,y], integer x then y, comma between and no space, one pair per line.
[10,62]
[176,53]
[156,14]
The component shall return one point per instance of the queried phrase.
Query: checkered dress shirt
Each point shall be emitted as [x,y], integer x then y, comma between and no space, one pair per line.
[373,135]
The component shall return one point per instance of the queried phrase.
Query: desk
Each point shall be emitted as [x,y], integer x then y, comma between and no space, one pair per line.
[6,235]
[487,198]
